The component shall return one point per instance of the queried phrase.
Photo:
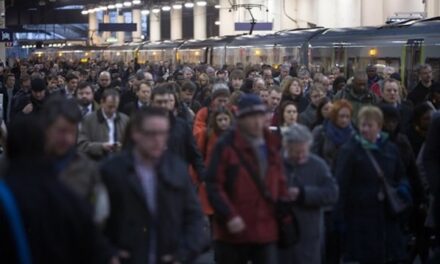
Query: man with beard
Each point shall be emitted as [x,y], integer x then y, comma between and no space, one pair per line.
[85,99]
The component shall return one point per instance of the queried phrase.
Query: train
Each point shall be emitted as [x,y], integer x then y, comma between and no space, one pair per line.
[402,45]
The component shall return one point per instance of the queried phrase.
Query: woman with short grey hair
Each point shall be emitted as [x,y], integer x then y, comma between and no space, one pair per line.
[312,187]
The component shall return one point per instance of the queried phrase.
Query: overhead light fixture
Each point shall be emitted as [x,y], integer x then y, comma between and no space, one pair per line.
[177,6]
[145,12]
[201,3]
[127,4]
[42,3]
[96,9]
[189,5]
[155,10]
[137,2]
[217,23]
[111,6]
[218,6]
[166,8]
[119,5]
[103,8]
[84,12]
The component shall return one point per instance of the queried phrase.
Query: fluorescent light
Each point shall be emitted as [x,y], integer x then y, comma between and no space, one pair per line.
[217,23]
[84,12]
[111,6]
[166,8]
[201,3]
[96,9]
[103,8]
[156,10]
[189,5]
[145,12]
[119,5]
[137,2]
[127,4]
[218,6]
[177,6]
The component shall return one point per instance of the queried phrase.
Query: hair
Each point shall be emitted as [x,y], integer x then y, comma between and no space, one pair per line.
[360,75]
[9,75]
[236,74]
[371,113]
[52,76]
[212,122]
[84,85]
[105,73]
[422,67]
[70,77]
[188,86]
[275,88]
[162,89]
[204,75]
[24,78]
[287,83]
[283,107]
[419,111]
[298,134]
[109,93]
[58,106]
[337,106]
[319,117]
[317,87]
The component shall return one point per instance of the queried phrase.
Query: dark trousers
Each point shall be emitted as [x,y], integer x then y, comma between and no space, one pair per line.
[227,253]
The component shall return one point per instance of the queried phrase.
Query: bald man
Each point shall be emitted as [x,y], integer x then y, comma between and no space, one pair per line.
[104,83]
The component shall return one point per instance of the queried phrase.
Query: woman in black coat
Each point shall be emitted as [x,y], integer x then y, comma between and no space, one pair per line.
[371,233]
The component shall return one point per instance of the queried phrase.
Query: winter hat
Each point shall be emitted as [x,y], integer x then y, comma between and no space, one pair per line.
[250,104]
[220,89]
[396,76]
[38,85]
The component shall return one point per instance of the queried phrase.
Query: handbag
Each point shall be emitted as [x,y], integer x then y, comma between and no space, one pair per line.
[288,231]
[395,203]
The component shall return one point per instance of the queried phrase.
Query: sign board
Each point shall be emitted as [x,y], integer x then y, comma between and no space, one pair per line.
[6,35]
[258,26]
[117,27]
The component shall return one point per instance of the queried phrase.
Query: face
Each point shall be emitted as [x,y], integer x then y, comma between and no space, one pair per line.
[236,84]
[223,121]
[85,96]
[10,82]
[340,86]
[425,75]
[274,99]
[151,139]
[253,125]
[61,137]
[39,95]
[110,105]
[344,118]
[269,82]
[104,80]
[391,92]
[26,84]
[284,72]
[187,75]
[221,76]
[203,81]
[267,74]
[390,125]
[144,93]
[264,95]
[290,115]
[325,110]
[371,72]
[52,85]
[72,85]
[220,101]
[295,89]
[259,85]
[298,153]
[316,97]
[186,96]
[164,101]
[425,120]
[369,129]
[360,84]
[60,81]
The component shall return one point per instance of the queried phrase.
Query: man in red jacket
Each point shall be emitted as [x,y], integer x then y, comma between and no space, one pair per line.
[245,227]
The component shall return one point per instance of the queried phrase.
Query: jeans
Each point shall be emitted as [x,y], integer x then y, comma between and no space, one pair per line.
[227,253]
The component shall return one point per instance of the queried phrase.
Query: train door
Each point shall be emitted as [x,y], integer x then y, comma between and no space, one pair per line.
[208,55]
[412,58]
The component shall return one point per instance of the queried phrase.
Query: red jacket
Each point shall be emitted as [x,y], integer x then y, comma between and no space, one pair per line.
[232,191]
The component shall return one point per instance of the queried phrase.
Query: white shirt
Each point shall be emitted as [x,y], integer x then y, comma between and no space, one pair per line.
[111,127]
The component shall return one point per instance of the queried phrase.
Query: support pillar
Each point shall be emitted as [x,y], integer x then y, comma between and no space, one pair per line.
[106,20]
[199,22]
[155,27]
[120,35]
[227,19]
[372,13]
[176,24]
[137,19]
[352,13]
[93,30]
[3,25]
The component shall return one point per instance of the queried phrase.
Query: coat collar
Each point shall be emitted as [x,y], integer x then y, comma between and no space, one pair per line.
[242,143]
[101,118]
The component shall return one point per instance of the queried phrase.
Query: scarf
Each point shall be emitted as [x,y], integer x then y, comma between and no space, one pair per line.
[383,137]
[336,134]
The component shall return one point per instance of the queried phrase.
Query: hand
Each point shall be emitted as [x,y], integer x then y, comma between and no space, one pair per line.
[122,255]
[117,146]
[28,108]
[294,193]
[108,147]
[236,225]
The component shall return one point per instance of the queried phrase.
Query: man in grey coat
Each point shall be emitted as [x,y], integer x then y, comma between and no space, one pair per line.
[313,188]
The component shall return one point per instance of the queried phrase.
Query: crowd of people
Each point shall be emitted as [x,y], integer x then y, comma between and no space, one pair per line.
[126,163]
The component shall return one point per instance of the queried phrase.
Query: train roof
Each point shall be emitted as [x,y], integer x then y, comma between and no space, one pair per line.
[126,46]
[161,45]
[387,35]
[211,42]
[296,37]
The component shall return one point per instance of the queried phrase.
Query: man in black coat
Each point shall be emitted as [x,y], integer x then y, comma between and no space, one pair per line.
[420,92]
[154,211]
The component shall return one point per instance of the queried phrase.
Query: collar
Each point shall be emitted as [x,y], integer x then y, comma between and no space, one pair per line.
[102,118]
[112,118]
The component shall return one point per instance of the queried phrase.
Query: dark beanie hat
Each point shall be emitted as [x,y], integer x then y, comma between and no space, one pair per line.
[38,85]
[396,76]
[250,104]
[220,89]
[390,112]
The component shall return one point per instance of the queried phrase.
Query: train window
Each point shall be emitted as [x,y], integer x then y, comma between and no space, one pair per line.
[435,64]
[413,55]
